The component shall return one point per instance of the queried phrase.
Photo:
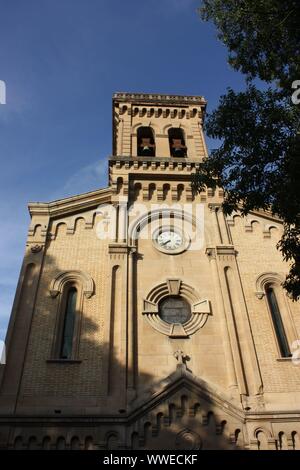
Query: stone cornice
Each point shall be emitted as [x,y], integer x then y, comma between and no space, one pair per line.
[122,158]
[42,419]
[256,212]
[118,248]
[70,204]
[266,214]
[147,164]
[159,99]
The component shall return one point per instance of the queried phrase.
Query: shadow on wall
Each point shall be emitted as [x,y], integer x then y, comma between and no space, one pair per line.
[86,401]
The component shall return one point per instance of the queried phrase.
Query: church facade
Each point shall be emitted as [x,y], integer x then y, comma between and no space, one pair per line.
[144,318]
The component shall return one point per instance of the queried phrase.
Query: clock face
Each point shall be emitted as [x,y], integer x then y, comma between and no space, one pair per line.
[169,240]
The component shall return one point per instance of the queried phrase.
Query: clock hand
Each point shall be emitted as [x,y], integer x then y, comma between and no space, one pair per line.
[166,242]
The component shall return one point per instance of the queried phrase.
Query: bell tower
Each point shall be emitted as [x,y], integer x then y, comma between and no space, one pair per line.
[158,125]
[156,137]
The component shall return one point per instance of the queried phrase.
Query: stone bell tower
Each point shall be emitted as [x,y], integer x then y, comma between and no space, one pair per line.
[170,118]
[153,136]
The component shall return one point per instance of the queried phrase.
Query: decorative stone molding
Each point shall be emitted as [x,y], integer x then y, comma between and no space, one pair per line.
[118,251]
[70,205]
[174,286]
[36,248]
[249,221]
[267,230]
[33,229]
[188,440]
[200,308]
[264,430]
[211,253]
[224,252]
[214,206]
[174,193]
[58,283]
[127,162]
[230,218]
[158,99]
[264,279]
[259,294]
[119,248]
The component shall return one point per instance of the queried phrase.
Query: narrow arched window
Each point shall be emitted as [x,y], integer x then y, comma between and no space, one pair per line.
[145,142]
[277,322]
[69,324]
[177,142]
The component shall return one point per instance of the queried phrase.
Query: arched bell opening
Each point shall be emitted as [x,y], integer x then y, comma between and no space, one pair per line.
[177,142]
[145,142]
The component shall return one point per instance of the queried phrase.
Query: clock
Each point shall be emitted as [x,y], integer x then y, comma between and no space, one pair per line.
[170,240]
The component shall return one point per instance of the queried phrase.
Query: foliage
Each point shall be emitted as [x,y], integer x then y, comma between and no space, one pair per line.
[257,162]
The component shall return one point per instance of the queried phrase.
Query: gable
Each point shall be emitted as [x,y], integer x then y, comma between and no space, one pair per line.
[187,413]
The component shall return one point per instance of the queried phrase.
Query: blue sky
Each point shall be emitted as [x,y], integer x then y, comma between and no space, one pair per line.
[61,61]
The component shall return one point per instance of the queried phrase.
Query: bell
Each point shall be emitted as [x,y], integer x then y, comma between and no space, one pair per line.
[178,148]
[146,148]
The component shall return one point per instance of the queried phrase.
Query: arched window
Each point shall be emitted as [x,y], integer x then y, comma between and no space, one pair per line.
[66,348]
[277,321]
[145,142]
[70,288]
[177,142]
